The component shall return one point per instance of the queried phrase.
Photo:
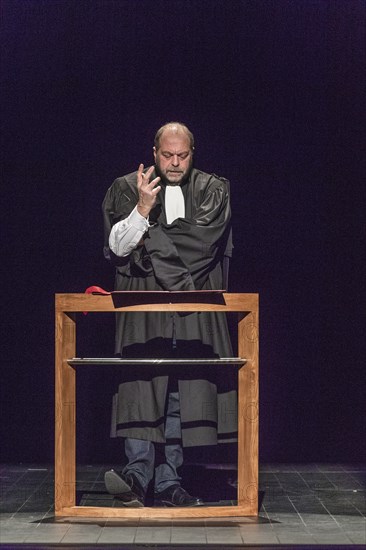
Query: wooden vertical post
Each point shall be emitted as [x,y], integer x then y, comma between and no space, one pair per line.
[65,413]
[248,408]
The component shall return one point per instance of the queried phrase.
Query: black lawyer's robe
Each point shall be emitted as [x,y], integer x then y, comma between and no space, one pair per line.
[185,255]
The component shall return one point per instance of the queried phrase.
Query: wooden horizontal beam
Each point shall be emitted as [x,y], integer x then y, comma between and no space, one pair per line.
[159,301]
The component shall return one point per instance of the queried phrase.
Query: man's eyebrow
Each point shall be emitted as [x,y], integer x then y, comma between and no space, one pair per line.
[180,152]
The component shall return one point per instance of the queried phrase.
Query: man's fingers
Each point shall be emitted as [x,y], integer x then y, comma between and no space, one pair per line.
[156,190]
[143,179]
[153,182]
[149,172]
[147,189]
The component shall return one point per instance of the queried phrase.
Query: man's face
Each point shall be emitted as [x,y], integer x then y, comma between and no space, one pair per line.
[173,159]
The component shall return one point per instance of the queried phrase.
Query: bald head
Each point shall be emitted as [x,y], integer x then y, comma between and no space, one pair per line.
[173,128]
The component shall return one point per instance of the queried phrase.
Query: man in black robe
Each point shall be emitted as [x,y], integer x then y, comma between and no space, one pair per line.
[168,228]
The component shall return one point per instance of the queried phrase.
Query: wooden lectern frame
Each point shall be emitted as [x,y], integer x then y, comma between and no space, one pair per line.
[67,305]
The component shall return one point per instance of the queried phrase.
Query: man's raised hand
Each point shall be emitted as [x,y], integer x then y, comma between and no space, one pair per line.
[147,190]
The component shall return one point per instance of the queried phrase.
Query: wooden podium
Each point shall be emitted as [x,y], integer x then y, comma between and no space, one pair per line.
[67,305]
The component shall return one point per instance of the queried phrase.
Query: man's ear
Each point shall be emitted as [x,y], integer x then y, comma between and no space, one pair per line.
[154,151]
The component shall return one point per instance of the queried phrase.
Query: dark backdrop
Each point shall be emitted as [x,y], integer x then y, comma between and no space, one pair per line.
[273,91]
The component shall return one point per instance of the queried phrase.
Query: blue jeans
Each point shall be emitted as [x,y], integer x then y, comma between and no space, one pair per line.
[141,453]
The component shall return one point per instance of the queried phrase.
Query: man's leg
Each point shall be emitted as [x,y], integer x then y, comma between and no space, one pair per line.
[141,459]
[168,491]
[166,474]
[131,484]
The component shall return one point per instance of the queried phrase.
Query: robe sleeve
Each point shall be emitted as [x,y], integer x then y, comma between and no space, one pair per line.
[118,204]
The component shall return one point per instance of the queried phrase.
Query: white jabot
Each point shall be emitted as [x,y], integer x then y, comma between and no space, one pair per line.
[174,203]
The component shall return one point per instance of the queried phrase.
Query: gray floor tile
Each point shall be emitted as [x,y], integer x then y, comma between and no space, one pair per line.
[354,467]
[162,525]
[5,517]
[317,519]
[281,505]
[308,467]
[295,538]
[343,480]
[51,528]
[355,532]
[82,538]
[266,528]
[332,539]
[15,535]
[12,538]
[223,535]
[360,477]
[48,538]
[278,518]
[317,482]
[157,535]
[290,527]
[330,467]
[280,467]
[87,533]
[351,523]
[25,519]
[114,535]
[17,528]
[193,535]
[260,538]
[326,528]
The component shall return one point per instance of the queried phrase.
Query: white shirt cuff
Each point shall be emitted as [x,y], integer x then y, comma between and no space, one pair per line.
[138,221]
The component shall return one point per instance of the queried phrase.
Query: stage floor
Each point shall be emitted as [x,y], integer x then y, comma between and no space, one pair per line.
[300,504]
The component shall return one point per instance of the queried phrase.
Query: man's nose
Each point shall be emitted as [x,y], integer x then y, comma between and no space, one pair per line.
[175,160]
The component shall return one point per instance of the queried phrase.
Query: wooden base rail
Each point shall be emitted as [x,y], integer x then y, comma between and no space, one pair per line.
[67,305]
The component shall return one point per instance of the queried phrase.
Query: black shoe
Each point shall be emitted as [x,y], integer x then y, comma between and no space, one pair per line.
[176,496]
[126,488]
